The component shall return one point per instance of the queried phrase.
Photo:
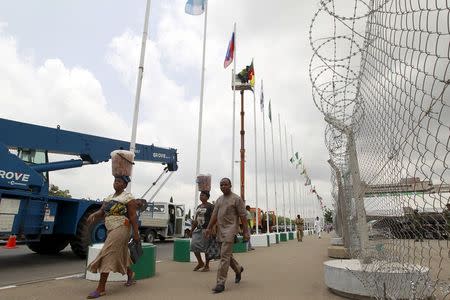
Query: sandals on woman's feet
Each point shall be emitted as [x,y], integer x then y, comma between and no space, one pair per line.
[205,269]
[95,294]
[131,280]
[198,267]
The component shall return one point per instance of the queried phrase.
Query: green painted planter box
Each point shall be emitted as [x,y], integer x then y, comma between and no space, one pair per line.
[283,237]
[146,265]
[182,250]
[277,238]
[291,235]
[240,246]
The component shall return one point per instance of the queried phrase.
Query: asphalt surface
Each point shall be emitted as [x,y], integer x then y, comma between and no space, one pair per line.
[21,265]
[289,270]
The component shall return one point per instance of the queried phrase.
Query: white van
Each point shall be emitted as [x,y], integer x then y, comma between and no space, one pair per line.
[162,220]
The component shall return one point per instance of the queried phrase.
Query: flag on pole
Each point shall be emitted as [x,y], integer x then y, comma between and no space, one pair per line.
[262,96]
[299,163]
[230,53]
[195,7]
[251,74]
[308,181]
[270,112]
[247,75]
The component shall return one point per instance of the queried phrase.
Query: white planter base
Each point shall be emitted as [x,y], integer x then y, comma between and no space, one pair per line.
[94,250]
[277,239]
[259,240]
[272,238]
[344,278]
[337,241]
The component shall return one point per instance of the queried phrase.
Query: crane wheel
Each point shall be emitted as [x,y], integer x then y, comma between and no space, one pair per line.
[87,234]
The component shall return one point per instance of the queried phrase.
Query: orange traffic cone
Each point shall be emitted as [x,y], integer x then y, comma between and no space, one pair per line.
[11,244]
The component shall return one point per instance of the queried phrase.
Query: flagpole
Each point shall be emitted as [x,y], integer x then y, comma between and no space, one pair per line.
[274,175]
[200,114]
[234,107]
[300,190]
[282,175]
[293,183]
[139,84]
[265,163]
[256,162]
[289,197]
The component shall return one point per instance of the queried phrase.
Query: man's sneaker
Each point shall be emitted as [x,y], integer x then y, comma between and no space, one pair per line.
[237,279]
[218,289]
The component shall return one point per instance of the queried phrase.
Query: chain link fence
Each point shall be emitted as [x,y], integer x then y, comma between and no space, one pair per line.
[380,73]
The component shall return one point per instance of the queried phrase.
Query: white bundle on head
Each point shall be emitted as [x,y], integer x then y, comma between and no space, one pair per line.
[122,162]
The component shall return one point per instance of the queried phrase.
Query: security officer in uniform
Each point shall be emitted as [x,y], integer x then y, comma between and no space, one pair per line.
[299,222]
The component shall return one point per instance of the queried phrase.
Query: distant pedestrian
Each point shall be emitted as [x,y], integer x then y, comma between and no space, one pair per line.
[229,208]
[120,213]
[317,228]
[200,242]
[250,225]
[299,223]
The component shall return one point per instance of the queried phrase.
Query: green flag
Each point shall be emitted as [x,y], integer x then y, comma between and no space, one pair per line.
[299,163]
[270,111]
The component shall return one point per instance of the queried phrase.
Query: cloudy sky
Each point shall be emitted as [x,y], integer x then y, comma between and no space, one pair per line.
[74,64]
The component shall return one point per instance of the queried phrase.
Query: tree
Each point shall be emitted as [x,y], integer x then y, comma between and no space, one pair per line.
[328,216]
[55,191]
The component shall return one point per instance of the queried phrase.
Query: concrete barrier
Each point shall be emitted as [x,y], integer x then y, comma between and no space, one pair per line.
[344,278]
[272,238]
[291,235]
[94,250]
[144,268]
[283,237]
[259,240]
[240,246]
[277,237]
[181,250]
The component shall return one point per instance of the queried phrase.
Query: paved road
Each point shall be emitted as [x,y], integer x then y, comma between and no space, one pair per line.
[286,271]
[21,265]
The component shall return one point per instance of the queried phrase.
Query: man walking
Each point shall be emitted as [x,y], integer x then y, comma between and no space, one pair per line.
[229,208]
[299,222]
[317,228]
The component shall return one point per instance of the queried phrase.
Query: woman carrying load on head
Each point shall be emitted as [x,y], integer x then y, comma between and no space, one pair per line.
[120,213]
[199,242]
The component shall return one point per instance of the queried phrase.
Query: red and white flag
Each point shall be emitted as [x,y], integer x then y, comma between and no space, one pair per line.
[230,53]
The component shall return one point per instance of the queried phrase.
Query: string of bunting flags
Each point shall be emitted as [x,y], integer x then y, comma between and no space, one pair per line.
[297,161]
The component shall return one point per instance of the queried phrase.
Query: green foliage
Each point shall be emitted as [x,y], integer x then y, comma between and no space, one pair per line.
[328,216]
[55,191]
